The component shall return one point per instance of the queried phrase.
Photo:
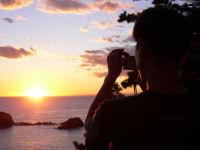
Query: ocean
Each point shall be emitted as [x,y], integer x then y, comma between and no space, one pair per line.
[42,137]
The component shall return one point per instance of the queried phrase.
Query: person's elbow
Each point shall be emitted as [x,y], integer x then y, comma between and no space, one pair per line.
[90,141]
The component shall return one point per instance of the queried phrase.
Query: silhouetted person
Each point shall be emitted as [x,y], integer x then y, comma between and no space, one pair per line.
[165,116]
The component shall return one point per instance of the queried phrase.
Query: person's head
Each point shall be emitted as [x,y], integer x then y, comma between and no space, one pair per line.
[162,35]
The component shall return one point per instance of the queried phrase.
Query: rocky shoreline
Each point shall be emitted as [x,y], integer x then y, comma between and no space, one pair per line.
[6,121]
[31,124]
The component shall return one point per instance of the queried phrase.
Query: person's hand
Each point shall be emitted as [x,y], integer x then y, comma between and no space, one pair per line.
[114,61]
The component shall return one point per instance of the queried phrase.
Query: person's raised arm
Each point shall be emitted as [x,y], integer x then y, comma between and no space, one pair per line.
[114,61]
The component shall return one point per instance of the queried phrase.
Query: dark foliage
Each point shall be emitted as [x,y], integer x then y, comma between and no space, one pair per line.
[127,17]
[116,90]
[79,146]
[131,81]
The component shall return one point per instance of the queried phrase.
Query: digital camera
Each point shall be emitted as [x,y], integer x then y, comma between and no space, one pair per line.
[129,62]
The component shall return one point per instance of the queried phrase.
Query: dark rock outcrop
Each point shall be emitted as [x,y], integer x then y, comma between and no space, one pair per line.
[44,123]
[72,123]
[23,123]
[5,120]
[31,124]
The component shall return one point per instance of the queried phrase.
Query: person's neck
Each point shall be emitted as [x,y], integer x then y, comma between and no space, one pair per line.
[165,81]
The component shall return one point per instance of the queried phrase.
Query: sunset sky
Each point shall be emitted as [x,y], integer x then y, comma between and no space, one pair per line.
[60,45]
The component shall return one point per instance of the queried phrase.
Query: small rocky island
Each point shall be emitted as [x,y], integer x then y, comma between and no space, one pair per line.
[72,123]
[6,121]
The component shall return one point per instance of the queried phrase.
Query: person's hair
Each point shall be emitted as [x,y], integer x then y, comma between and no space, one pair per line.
[164,31]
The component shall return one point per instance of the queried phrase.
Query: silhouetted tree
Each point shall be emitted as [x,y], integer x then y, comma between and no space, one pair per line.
[189,71]
[116,90]
[131,81]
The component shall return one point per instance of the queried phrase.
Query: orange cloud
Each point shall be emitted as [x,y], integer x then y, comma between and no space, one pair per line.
[1,35]
[130,32]
[14,4]
[14,53]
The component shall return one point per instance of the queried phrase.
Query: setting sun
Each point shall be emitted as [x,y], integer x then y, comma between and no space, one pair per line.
[37,92]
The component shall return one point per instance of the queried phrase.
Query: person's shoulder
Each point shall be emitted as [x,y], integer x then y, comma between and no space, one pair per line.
[194,97]
[195,94]
[124,101]
[133,98]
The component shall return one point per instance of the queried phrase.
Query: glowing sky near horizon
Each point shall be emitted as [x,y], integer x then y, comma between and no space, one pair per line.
[60,45]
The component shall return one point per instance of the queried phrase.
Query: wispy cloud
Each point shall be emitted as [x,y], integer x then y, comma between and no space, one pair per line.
[14,4]
[81,7]
[1,35]
[99,74]
[9,20]
[10,52]
[100,24]
[84,29]
[13,21]
[103,40]
[116,38]
[21,18]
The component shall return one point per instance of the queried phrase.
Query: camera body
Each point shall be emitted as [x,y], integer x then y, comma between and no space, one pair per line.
[129,62]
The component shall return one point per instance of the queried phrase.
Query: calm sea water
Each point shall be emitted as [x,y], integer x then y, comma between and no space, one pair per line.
[55,109]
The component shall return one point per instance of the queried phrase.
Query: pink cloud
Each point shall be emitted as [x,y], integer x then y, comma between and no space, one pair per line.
[110,6]
[95,61]
[94,57]
[64,6]
[14,53]
[80,7]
